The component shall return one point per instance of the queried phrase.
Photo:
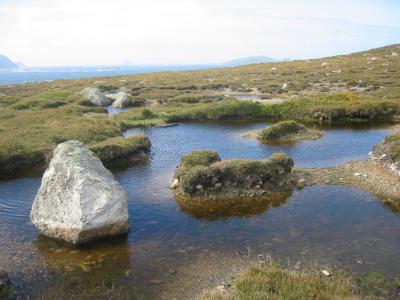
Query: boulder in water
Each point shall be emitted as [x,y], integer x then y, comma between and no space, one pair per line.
[79,200]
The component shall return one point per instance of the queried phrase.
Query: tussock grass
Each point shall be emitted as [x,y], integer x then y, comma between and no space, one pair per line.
[272,281]
[203,168]
[199,158]
[280,130]
[392,143]
[120,147]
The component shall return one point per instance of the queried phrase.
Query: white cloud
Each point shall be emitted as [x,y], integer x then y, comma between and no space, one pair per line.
[59,32]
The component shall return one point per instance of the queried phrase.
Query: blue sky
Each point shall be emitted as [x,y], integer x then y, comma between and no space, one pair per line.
[86,32]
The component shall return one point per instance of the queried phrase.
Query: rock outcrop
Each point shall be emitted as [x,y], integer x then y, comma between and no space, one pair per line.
[79,200]
[122,99]
[202,173]
[96,97]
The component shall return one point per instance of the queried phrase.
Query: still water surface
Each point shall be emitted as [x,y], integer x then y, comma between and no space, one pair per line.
[175,247]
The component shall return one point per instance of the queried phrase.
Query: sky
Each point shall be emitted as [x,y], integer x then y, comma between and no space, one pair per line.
[153,32]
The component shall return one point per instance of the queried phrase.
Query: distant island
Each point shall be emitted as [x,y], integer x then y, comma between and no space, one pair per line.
[251,60]
[7,64]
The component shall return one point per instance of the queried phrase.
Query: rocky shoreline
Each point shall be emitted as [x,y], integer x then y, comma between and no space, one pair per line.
[363,174]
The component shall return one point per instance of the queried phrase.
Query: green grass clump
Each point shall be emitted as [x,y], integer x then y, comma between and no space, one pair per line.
[223,110]
[337,108]
[280,130]
[241,173]
[394,147]
[199,158]
[197,98]
[15,155]
[277,283]
[120,147]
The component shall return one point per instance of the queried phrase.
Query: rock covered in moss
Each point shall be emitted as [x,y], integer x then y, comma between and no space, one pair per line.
[203,173]
[95,96]
[79,200]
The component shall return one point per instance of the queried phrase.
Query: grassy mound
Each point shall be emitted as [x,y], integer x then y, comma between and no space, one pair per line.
[244,174]
[281,130]
[278,283]
[120,147]
[17,156]
[392,143]
[199,158]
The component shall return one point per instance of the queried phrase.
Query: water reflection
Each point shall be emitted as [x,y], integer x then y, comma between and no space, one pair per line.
[207,208]
[175,244]
[85,268]
[115,110]
[108,258]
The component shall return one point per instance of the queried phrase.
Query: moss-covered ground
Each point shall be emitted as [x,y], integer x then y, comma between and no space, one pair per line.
[360,87]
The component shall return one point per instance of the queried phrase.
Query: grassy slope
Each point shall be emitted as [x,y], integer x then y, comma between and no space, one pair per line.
[34,118]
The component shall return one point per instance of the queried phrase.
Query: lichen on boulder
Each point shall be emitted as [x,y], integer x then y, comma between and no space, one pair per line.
[287,131]
[79,200]
[203,173]
[121,100]
[96,97]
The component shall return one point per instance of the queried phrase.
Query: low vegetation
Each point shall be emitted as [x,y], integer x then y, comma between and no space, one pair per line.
[199,158]
[120,148]
[274,282]
[201,174]
[287,132]
[281,130]
[360,87]
[392,142]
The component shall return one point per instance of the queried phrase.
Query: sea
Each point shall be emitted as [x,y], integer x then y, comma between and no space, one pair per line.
[40,74]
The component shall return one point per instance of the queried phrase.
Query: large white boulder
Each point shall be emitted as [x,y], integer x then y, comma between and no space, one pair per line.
[95,96]
[79,199]
[122,99]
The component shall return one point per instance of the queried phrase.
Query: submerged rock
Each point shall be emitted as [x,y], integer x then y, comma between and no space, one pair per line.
[79,200]
[122,99]
[95,96]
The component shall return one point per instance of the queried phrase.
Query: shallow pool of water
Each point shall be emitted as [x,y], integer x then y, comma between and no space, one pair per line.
[175,246]
[115,111]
